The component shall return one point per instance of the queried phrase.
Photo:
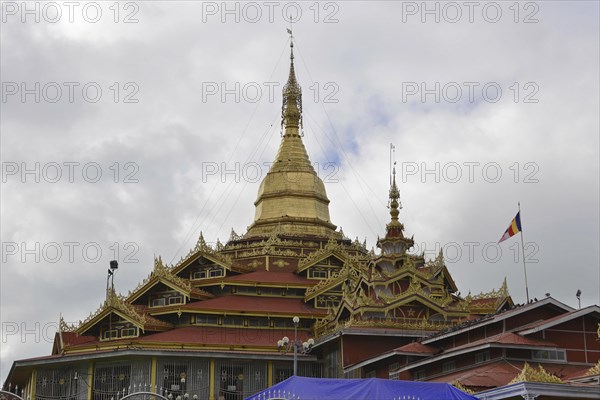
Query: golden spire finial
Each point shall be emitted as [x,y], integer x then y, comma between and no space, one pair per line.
[394,204]
[394,228]
[291,110]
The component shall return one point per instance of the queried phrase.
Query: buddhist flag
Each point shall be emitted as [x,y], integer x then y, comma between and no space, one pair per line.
[513,228]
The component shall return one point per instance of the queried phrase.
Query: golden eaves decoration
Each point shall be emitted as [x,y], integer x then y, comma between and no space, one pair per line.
[162,271]
[114,302]
[280,263]
[436,263]
[165,273]
[326,326]
[346,272]
[530,374]
[64,327]
[595,370]
[494,294]
[460,386]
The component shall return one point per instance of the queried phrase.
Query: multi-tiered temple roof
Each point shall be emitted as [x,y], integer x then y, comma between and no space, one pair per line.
[291,262]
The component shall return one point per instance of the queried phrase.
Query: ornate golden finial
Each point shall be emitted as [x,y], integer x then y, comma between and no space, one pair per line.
[234,236]
[394,228]
[503,291]
[291,110]
[439,260]
[395,205]
[158,262]
[201,244]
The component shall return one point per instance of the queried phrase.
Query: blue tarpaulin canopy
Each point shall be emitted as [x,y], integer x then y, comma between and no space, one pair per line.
[302,388]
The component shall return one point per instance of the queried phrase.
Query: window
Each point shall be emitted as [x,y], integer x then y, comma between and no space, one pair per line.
[209,271]
[110,380]
[176,300]
[233,321]
[208,320]
[549,355]
[174,377]
[199,275]
[448,366]
[482,357]
[318,273]
[129,332]
[158,302]
[214,273]
[283,323]
[258,322]
[63,383]
[110,334]
[418,375]
[394,367]
[281,374]
[370,374]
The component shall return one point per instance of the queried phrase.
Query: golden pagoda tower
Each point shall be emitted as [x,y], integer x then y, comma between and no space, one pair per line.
[292,198]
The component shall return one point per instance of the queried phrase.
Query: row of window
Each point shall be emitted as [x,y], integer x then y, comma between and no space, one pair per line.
[212,272]
[481,357]
[120,333]
[242,321]
[321,272]
[549,355]
[166,301]
[266,291]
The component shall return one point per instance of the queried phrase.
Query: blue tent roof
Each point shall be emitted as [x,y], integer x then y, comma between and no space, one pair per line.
[359,389]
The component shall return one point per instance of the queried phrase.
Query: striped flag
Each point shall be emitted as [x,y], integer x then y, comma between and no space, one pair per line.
[513,228]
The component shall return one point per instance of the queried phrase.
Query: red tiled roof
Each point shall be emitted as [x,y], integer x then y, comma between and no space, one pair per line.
[485,376]
[151,322]
[571,314]
[416,347]
[502,372]
[205,336]
[487,319]
[73,339]
[256,304]
[208,335]
[197,293]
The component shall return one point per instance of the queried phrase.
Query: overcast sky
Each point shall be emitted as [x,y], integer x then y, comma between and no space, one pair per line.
[129,117]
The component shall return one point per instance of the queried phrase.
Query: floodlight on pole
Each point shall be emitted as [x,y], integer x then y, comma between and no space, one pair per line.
[298,346]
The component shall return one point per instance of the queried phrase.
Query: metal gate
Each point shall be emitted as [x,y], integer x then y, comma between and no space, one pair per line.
[4,395]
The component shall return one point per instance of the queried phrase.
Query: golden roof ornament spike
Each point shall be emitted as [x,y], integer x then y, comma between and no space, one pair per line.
[158,263]
[395,205]
[291,110]
[394,228]
[201,244]
[504,288]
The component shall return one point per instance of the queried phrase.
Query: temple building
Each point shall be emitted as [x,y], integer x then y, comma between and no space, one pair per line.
[220,323]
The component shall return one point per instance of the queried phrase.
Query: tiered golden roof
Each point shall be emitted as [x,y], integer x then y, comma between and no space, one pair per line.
[292,197]
[292,249]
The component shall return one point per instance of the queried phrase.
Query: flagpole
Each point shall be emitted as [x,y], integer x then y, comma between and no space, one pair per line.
[523,255]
